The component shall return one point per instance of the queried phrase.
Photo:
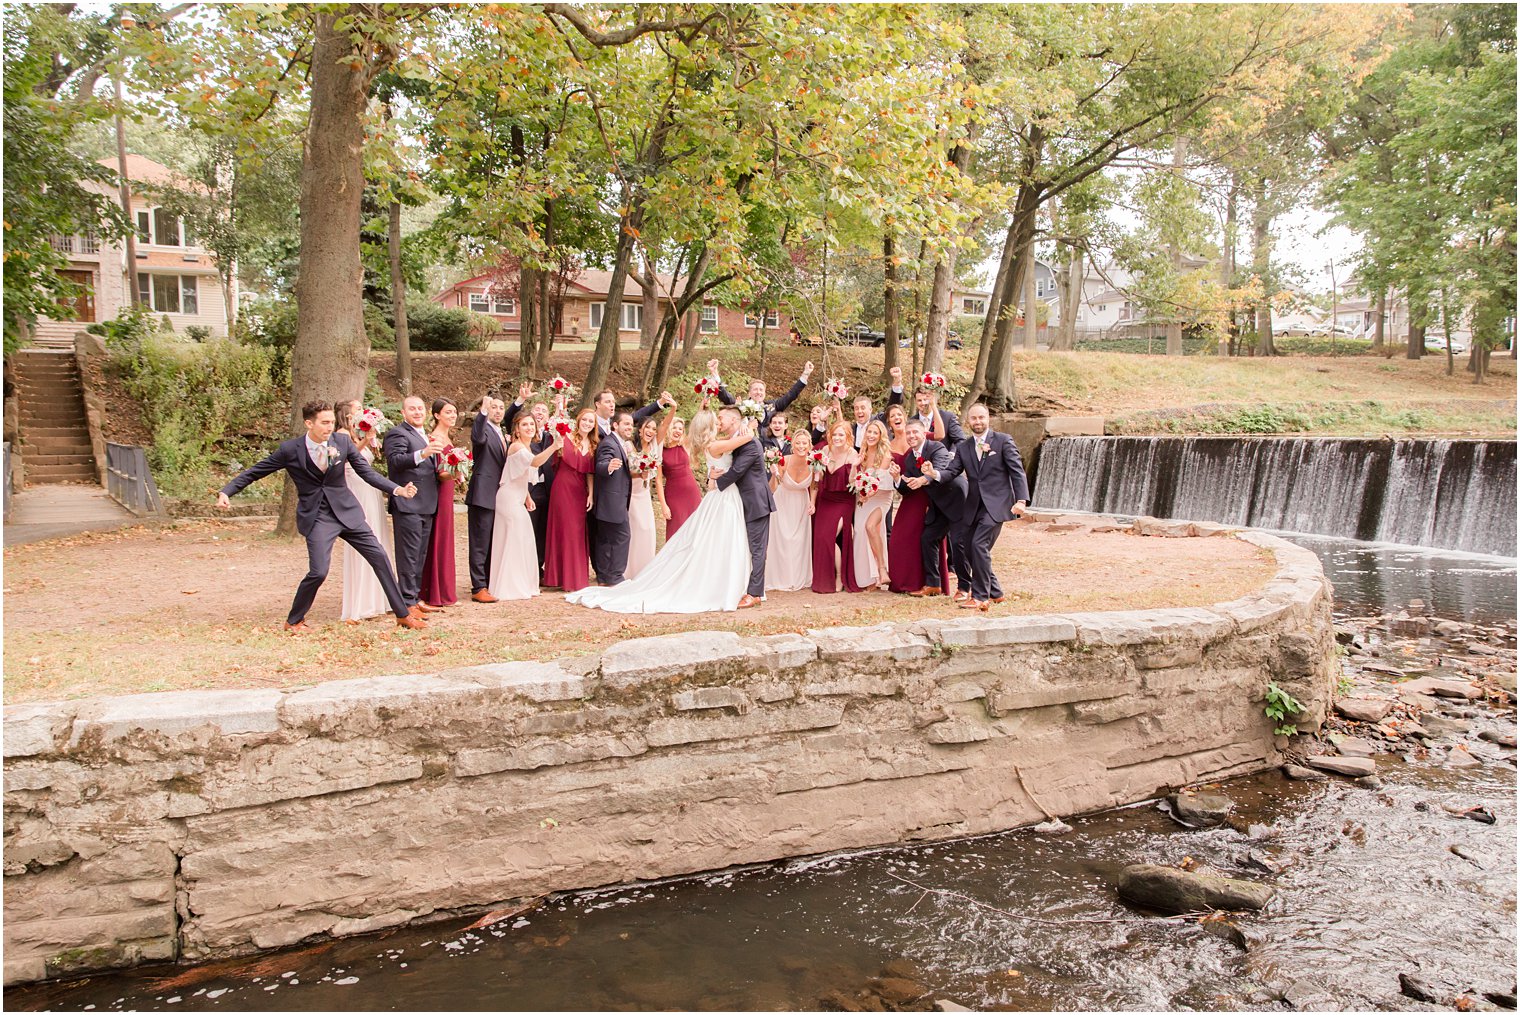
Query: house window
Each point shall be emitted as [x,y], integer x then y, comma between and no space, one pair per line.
[597,312]
[169,294]
[772,319]
[479,303]
[145,227]
[633,316]
[166,228]
[1126,310]
[89,243]
[975,307]
[504,306]
[1100,308]
[710,318]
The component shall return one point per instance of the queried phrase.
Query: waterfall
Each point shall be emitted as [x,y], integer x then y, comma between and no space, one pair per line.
[1451,494]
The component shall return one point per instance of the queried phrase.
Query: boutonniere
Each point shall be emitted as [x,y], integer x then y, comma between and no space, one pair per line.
[333,454]
[981,451]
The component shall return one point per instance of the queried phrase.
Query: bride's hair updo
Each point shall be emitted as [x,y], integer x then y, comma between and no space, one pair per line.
[701,430]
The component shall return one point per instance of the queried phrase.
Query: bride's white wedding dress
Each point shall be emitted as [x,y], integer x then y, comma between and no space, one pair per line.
[702,568]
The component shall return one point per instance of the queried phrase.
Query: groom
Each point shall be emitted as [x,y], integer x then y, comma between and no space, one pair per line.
[326,509]
[749,471]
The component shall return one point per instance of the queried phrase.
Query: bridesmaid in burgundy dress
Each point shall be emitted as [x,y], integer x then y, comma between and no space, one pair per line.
[904,544]
[679,495]
[834,515]
[439,584]
[567,559]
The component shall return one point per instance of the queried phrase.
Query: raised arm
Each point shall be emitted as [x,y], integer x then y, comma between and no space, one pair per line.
[785,401]
[642,414]
[723,445]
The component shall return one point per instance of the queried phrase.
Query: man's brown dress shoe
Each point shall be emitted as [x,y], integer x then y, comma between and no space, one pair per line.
[973,604]
[299,627]
[411,623]
[748,601]
[425,608]
[927,590]
[484,596]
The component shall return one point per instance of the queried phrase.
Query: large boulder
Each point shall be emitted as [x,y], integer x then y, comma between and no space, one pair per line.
[1364,709]
[1353,767]
[1170,890]
[1200,809]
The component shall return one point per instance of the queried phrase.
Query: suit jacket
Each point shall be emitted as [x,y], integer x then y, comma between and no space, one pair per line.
[540,491]
[400,446]
[490,459]
[612,492]
[948,499]
[748,470]
[770,443]
[995,482]
[639,415]
[313,486]
[953,432]
[857,430]
[772,407]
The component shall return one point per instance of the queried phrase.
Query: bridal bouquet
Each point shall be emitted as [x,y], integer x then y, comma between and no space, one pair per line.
[458,461]
[372,421]
[835,388]
[706,386]
[934,382]
[752,411]
[865,485]
[817,462]
[644,465]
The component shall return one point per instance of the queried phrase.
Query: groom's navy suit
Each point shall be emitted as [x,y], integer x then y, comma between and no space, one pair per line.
[994,482]
[326,510]
[489,451]
[611,493]
[748,470]
[412,520]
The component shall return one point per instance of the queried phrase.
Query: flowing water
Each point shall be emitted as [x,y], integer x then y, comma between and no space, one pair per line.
[1450,494]
[1370,890]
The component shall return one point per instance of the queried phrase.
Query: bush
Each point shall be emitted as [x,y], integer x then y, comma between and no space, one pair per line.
[194,396]
[432,328]
[198,332]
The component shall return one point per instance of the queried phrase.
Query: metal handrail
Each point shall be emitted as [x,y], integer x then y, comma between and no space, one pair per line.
[129,482]
[9,490]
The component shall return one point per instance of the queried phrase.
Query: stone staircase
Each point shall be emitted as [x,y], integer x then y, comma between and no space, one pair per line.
[55,441]
[48,334]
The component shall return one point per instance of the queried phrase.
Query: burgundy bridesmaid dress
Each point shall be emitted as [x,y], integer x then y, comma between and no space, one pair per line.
[834,509]
[904,545]
[439,585]
[566,557]
[682,495]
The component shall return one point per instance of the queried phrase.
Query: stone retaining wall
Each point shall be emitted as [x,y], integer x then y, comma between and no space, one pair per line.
[214,823]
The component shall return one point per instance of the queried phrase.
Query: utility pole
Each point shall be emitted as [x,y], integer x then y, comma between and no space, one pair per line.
[127,24]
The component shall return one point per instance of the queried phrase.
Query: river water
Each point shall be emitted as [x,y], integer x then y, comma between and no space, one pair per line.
[1370,889]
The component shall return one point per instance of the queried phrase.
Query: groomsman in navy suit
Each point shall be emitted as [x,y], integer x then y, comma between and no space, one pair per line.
[748,471]
[326,509]
[756,393]
[411,457]
[611,493]
[996,492]
[488,447]
[926,407]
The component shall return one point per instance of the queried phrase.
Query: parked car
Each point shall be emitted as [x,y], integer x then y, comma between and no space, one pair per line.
[1437,343]
[1325,330]
[952,341]
[861,333]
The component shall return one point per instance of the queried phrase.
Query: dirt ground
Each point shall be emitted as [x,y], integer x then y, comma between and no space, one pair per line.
[199,605]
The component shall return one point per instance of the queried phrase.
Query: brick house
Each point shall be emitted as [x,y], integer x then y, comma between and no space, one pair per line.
[586,300]
[176,277]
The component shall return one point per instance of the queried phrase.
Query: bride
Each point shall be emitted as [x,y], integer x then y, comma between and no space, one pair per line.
[704,567]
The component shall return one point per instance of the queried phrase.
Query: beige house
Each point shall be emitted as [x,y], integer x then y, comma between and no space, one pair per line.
[176,278]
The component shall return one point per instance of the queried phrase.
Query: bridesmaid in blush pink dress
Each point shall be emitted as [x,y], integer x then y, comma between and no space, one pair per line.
[439,584]
[514,553]
[679,493]
[363,597]
[567,559]
[644,488]
[789,553]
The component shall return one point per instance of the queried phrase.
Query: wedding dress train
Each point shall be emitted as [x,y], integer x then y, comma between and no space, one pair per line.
[703,568]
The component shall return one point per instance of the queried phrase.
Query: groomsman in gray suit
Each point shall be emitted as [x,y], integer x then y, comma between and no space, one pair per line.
[411,457]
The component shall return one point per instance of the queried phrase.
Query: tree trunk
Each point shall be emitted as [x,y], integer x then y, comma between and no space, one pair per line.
[997,375]
[1380,322]
[331,355]
[1070,282]
[549,313]
[605,354]
[1031,311]
[1418,315]
[527,318]
[944,285]
[398,303]
[889,296]
[995,304]
[1227,262]
[1261,264]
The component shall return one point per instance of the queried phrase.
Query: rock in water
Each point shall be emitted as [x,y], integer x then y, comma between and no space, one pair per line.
[1303,774]
[1200,808]
[1460,757]
[1504,999]
[1496,737]
[1177,891]
[944,1005]
[1364,709]
[1354,767]
[1055,826]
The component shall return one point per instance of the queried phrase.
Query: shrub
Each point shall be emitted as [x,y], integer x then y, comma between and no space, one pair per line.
[432,328]
[198,332]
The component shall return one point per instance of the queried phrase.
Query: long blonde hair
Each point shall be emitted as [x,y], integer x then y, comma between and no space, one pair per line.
[701,431]
[881,457]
